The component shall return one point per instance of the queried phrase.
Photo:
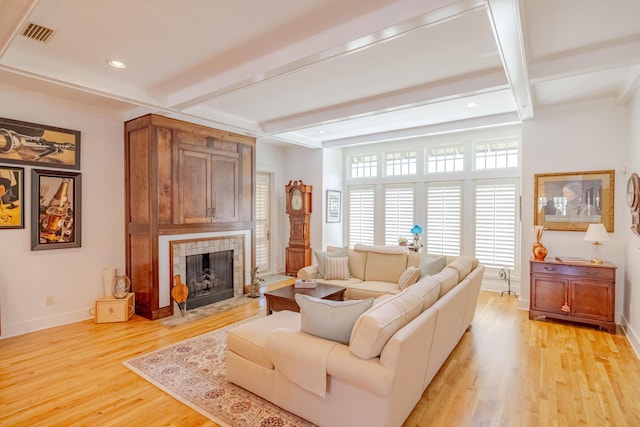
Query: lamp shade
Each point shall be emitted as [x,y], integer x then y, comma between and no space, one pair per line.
[596,233]
[416,229]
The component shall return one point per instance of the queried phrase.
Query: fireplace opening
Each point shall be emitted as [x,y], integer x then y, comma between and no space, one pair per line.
[209,278]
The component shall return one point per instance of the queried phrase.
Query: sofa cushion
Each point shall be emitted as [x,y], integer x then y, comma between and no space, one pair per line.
[336,268]
[385,267]
[409,277]
[321,256]
[248,339]
[448,280]
[332,320]
[463,265]
[373,329]
[430,265]
[368,289]
[357,263]
[427,288]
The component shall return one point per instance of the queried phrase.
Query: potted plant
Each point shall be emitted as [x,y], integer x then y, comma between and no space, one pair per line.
[254,287]
[402,241]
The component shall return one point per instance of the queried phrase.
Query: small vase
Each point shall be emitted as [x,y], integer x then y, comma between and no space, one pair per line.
[539,251]
[108,275]
[121,286]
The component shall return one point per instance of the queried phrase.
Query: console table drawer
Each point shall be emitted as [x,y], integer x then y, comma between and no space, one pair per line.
[591,272]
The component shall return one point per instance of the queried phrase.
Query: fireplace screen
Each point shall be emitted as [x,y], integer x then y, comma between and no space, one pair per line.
[209,278]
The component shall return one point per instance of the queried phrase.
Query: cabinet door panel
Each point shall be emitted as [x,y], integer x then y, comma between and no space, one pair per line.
[225,189]
[550,295]
[592,300]
[195,187]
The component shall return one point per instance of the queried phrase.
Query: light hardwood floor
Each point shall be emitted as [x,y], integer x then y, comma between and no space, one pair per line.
[506,371]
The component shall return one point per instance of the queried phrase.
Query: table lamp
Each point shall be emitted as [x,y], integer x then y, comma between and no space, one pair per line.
[416,231]
[597,234]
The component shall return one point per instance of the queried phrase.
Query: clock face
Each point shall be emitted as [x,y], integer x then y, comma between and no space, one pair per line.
[296,200]
[632,192]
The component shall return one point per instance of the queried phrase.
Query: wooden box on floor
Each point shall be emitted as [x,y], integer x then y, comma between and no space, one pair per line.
[110,309]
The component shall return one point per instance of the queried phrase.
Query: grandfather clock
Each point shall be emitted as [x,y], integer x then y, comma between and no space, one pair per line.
[298,253]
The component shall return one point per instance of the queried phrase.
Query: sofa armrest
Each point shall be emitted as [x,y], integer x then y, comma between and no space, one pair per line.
[309,272]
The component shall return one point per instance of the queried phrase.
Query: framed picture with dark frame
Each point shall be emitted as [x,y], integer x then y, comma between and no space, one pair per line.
[39,145]
[333,205]
[571,201]
[55,209]
[11,197]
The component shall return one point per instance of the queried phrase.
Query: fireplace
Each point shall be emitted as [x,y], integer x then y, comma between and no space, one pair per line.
[209,277]
[211,267]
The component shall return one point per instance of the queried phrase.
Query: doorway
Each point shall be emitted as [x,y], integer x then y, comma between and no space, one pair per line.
[263,222]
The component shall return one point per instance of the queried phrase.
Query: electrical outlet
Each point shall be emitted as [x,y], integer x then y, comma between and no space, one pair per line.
[54,299]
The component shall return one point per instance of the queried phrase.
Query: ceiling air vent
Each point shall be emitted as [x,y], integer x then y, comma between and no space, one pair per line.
[38,32]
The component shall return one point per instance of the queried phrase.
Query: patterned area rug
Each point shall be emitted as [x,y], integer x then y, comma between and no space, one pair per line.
[218,307]
[194,372]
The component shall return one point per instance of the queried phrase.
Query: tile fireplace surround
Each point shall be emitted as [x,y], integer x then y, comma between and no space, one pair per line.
[174,249]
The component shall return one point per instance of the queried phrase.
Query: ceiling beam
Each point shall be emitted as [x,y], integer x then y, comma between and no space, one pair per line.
[412,97]
[439,128]
[386,23]
[505,20]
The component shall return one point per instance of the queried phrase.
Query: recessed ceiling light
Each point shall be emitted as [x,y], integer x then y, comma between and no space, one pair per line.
[471,105]
[116,64]
[321,131]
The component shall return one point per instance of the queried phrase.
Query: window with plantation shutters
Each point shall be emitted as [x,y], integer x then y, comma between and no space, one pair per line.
[495,222]
[398,213]
[263,253]
[444,210]
[361,216]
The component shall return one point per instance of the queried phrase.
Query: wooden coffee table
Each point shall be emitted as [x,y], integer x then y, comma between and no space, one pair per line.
[285,298]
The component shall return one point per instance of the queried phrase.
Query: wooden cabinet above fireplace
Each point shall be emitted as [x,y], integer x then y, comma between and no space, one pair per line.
[181,178]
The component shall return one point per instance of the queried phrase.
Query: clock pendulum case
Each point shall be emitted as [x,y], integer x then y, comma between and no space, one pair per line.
[298,253]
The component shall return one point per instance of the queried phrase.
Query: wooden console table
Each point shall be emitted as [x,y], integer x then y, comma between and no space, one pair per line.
[575,291]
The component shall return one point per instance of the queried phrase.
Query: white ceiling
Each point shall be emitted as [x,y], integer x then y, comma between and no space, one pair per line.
[327,73]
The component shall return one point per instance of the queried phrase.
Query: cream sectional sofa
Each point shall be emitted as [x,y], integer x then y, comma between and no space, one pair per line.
[395,349]
[373,270]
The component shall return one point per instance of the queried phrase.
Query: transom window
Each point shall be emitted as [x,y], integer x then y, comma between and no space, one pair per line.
[496,155]
[364,166]
[401,163]
[445,159]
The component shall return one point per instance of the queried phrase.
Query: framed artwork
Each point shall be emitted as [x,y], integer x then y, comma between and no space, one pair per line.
[11,197]
[573,200]
[333,205]
[55,209]
[39,145]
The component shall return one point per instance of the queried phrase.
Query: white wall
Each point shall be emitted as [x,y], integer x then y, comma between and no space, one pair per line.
[74,275]
[587,141]
[333,179]
[307,165]
[631,279]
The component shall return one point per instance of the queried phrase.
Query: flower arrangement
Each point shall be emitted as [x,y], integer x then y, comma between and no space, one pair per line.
[402,241]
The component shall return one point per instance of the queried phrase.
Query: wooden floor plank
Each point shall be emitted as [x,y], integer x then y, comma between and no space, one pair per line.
[506,371]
